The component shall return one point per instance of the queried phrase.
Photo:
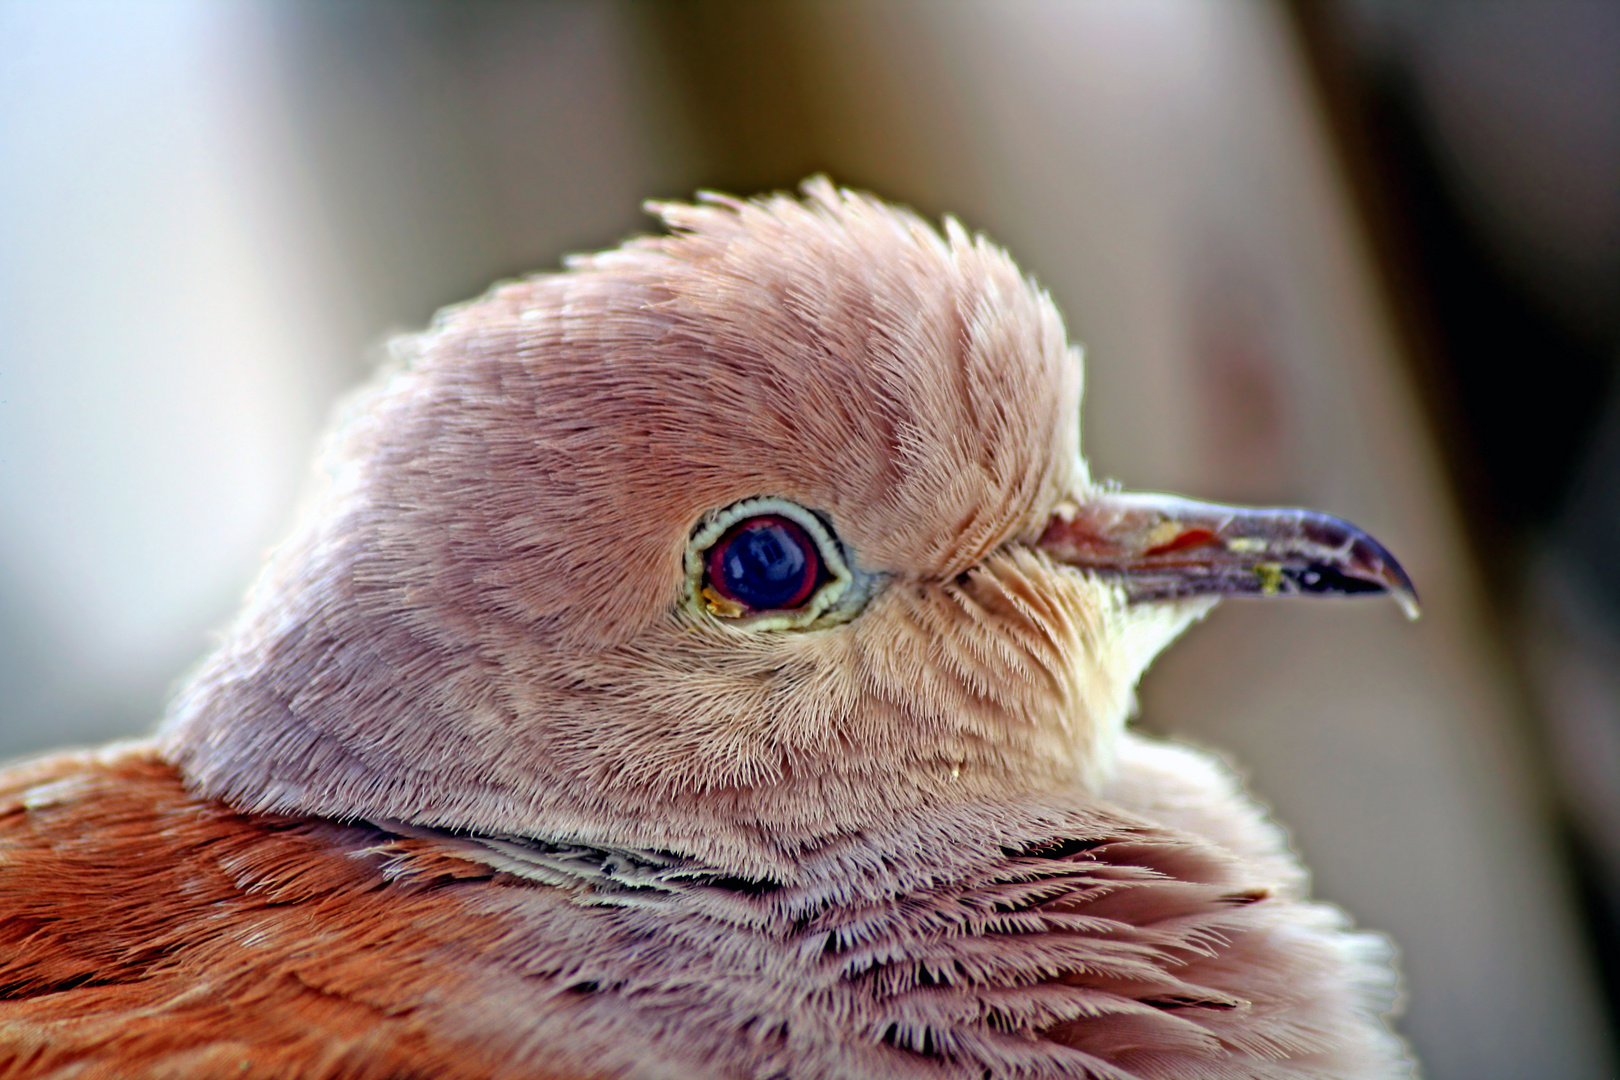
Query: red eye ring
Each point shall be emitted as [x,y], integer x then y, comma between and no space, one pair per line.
[765,563]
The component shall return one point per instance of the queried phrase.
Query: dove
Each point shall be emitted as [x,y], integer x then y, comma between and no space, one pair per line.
[712,659]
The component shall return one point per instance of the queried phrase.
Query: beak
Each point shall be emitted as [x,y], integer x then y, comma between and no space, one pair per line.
[1161,547]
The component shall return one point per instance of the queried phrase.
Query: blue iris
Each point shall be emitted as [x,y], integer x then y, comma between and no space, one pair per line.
[766,563]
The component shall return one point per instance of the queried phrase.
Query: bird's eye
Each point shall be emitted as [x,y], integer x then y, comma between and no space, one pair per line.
[765,563]
[768,563]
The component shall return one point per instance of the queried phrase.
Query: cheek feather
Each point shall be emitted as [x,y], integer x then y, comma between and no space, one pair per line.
[1009,663]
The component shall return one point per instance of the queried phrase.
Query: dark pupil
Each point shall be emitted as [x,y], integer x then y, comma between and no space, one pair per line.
[766,564]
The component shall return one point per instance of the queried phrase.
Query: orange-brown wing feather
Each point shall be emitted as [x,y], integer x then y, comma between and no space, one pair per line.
[144,932]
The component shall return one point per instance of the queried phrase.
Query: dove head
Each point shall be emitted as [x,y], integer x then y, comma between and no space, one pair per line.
[724,541]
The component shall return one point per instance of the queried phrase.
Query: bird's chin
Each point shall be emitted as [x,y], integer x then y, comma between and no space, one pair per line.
[1135,633]
[1149,626]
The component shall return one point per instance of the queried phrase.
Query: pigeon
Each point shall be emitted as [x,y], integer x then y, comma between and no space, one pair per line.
[712,659]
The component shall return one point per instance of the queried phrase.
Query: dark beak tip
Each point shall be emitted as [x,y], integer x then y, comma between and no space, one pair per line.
[1387,572]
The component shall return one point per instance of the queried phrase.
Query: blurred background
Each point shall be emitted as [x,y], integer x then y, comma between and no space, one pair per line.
[1362,255]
